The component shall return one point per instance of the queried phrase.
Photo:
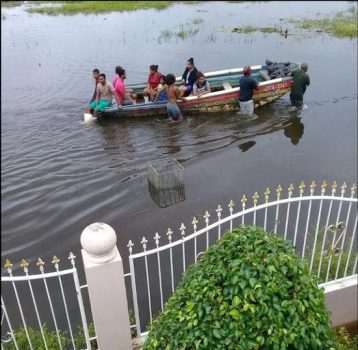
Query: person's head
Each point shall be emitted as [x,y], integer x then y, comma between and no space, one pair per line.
[200,78]
[247,70]
[95,73]
[304,67]
[118,69]
[170,79]
[102,78]
[153,68]
[162,80]
[190,63]
[121,72]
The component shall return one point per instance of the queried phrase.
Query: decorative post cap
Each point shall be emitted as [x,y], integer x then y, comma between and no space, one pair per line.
[99,241]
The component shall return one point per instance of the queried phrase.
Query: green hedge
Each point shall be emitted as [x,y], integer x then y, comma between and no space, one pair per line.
[248,291]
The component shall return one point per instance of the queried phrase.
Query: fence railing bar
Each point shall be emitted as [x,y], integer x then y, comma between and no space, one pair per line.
[127,274]
[81,307]
[324,238]
[9,323]
[21,314]
[306,230]
[36,311]
[355,265]
[234,216]
[350,248]
[316,235]
[134,291]
[36,277]
[276,218]
[343,241]
[333,241]
[160,281]
[148,288]
[297,221]
[66,312]
[171,268]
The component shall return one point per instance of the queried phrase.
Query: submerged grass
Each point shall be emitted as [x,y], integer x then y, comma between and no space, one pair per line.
[249,29]
[87,7]
[341,24]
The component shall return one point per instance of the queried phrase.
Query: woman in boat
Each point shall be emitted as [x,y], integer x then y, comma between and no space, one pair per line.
[201,86]
[189,78]
[153,82]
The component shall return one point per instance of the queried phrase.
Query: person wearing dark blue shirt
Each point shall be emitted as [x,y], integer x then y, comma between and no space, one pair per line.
[189,78]
[247,87]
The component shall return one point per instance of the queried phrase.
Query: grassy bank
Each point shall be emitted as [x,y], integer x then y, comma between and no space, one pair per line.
[342,24]
[87,7]
[251,29]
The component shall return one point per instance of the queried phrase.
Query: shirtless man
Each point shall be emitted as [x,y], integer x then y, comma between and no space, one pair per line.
[173,93]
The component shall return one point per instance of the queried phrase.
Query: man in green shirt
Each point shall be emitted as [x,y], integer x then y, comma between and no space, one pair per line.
[300,81]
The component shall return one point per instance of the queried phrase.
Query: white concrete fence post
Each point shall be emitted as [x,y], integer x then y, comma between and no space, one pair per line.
[106,287]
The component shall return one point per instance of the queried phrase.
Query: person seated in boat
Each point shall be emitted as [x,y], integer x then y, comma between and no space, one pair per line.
[189,78]
[247,87]
[95,75]
[201,86]
[174,113]
[161,91]
[105,92]
[153,81]
[125,98]
[116,77]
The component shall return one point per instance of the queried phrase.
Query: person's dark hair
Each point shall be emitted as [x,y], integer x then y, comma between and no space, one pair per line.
[102,75]
[154,67]
[169,79]
[118,69]
[95,71]
[199,75]
[191,60]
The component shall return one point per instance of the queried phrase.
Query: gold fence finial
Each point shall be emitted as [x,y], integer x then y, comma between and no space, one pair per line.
[334,185]
[255,197]
[267,193]
[291,188]
[24,264]
[313,185]
[231,204]
[302,186]
[324,184]
[243,200]
[8,264]
[40,263]
[278,191]
[353,188]
[55,260]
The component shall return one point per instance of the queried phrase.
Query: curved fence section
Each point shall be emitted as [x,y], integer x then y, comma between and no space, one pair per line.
[321,225]
[35,309]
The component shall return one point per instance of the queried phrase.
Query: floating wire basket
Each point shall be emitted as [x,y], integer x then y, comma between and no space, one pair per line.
[165,173]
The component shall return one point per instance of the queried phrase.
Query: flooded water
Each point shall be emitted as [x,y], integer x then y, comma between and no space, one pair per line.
[60,175]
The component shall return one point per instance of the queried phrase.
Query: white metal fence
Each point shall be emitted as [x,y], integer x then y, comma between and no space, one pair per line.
[50,306]
[322,227]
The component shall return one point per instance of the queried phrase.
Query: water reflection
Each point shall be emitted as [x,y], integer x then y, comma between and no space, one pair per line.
[294,129]
[165,197]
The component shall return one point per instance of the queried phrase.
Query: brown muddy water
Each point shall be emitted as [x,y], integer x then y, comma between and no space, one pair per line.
[60,175]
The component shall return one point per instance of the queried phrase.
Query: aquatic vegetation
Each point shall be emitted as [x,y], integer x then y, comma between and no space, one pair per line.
[197,21]
[342,24]
[250,29]
[184,33]
[70,8]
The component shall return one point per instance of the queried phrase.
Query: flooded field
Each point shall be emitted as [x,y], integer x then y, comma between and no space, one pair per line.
[60,175]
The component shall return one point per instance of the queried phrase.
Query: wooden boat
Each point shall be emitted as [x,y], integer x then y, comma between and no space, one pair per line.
[224,96]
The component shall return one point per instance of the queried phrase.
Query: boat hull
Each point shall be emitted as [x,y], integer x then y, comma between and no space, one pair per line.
[225,100]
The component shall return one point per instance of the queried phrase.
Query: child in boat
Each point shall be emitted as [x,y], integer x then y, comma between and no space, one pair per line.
[173,93]
[201,86]
[161,91]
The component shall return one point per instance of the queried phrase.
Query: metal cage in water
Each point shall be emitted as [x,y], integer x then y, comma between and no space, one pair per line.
[165,173]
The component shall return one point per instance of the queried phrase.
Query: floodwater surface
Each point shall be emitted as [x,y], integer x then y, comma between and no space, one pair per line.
[60,175]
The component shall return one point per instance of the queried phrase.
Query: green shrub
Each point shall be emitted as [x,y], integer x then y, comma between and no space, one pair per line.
[248,291]
[51,339]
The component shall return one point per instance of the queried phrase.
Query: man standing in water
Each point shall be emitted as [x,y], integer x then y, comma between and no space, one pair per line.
[247,87]
[300,81]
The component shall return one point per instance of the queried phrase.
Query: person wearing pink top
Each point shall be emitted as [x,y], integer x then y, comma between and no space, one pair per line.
[124,97]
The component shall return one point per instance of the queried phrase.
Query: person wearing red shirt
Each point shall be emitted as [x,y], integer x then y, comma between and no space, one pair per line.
[153,82]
